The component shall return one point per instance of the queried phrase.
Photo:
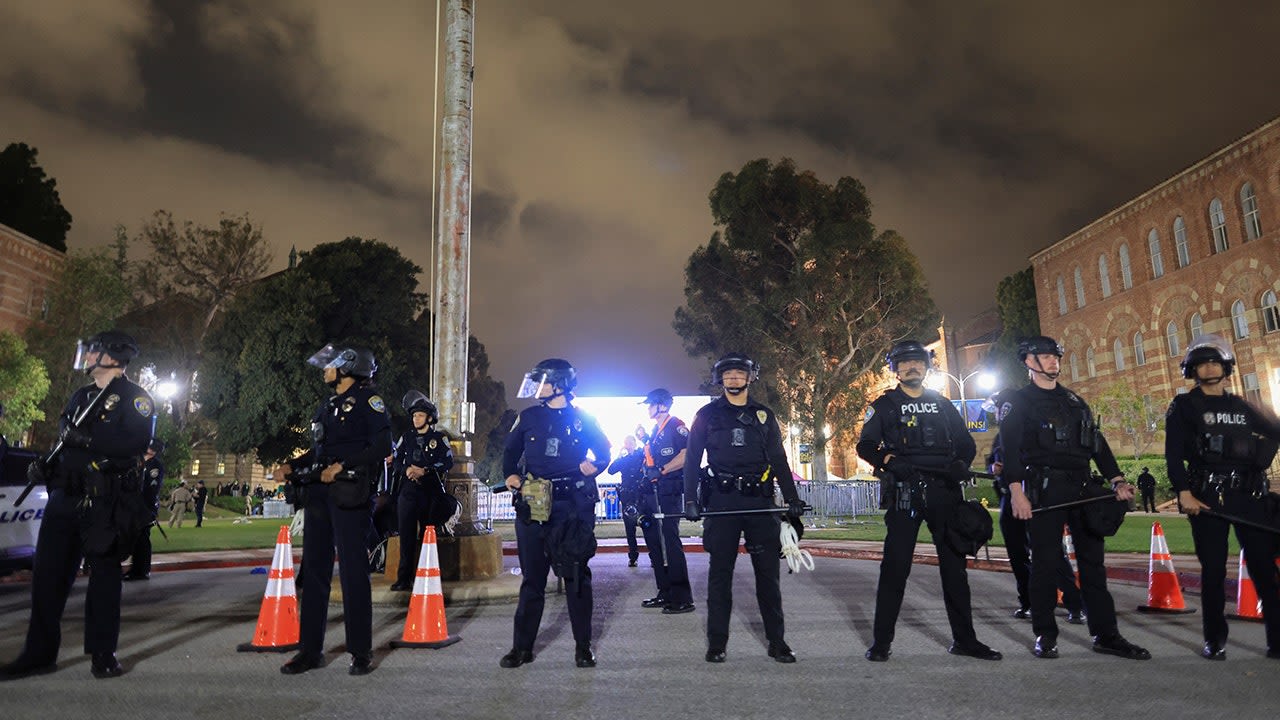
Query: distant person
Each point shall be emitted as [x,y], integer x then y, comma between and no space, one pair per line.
[630,465]
[1147,486]
[422,458]
[200,496]
[179,503]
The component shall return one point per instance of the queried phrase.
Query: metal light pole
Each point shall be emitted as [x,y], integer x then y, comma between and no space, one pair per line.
[475,552]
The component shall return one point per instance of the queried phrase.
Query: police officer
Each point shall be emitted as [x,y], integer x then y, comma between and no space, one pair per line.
[1147,486]
[422,457]
[562,450]
[1218,446]
[630,465]
[745,463]
[1014,532]
[1049,437]
[664,453]
[92,475]
[918,437]
[152,481]
[351,437]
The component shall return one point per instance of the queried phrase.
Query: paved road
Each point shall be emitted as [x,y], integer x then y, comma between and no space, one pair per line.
[181,628]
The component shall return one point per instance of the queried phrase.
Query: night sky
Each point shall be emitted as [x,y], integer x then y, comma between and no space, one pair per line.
[983,131]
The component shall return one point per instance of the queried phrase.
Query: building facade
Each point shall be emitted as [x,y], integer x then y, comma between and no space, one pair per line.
[27,269]
[1197,254]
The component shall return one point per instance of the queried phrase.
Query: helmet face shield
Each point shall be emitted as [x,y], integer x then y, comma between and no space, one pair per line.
[323,356]
[531,385]
[83,349]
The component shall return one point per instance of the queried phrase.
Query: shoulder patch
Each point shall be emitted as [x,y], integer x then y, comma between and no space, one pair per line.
[143,405]
[1003,412]
[762,416]
[871,410]
[682,430]
[375,402]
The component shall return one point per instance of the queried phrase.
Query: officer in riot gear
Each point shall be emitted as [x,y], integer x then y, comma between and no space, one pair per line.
[630,465]
[746,463]
[422,458]
[663,492]
[1050,436]
[351,437]
[1014,532]
[152,483]
[918,441]
[95,509]
[561,449]
[1218,446]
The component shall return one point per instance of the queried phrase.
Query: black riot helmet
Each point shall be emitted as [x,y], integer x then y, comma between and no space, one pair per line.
[414,401]
[555,372]
[1039,345]
[347,360]
[659,396]
[734,361]
[117,345]
[1208,348]
[908,350]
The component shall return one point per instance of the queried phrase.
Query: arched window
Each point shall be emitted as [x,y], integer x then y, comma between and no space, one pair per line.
[1238,321]
[1079,278]
[1197,326]
[1075,367]
[1118,349]
[1218,224]
[1104,276]
[1062,297]
[1139,352]
[1180,242]
[1270,313]
[1153,247]
[1088,361]
[1126,272]
[1249,206]
[1175,339]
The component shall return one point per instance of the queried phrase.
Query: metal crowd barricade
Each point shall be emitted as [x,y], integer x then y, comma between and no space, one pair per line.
[497,506]
[840,502]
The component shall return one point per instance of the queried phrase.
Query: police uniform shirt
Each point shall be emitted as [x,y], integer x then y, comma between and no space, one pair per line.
[152,481]
[1030,416]
[928,430]
[356,430]
[739,440]
[665,442]
[554,442]
[630,466]
[119,427]
[429,451]
[1193,415]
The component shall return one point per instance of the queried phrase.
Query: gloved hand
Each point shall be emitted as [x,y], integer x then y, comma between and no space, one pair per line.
[71,437]
[959,472]
[901,469]
[37,472]
[691,511]
[795,509]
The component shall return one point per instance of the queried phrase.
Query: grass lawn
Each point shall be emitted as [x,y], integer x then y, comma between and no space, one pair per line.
[221,533]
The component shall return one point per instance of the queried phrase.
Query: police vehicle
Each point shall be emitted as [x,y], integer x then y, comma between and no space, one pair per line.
[19,524]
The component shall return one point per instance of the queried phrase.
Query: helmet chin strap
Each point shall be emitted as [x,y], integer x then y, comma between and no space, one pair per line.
[98,364]
[735,390]
[1052,377]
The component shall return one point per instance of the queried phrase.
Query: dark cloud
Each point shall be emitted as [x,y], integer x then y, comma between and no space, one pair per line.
[982,131]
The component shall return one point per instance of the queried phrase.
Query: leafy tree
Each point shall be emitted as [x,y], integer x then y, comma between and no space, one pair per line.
[87,296]
[23,386]
[1019,318]
[255,385]
[1128,419]
[799,278]
[29,201]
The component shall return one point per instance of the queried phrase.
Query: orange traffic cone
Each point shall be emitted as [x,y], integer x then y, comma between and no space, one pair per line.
[1248,604]
[425,625]
[1164,595]
[277,629]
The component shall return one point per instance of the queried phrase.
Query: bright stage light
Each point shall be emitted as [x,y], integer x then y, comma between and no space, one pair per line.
[619,416]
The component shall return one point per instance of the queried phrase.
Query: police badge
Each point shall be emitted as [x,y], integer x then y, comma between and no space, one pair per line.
[762,416]
[110,402]
[1209,419]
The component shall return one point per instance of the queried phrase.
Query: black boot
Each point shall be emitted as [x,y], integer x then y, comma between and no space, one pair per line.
[516,658]
[301,663]
[106,666]
[583,657]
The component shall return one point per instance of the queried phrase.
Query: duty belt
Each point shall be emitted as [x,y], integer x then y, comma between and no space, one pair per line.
[1220,483]
[745,484]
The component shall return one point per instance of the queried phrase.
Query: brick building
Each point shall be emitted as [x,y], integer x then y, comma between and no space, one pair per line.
[27,268]
[1198,253]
